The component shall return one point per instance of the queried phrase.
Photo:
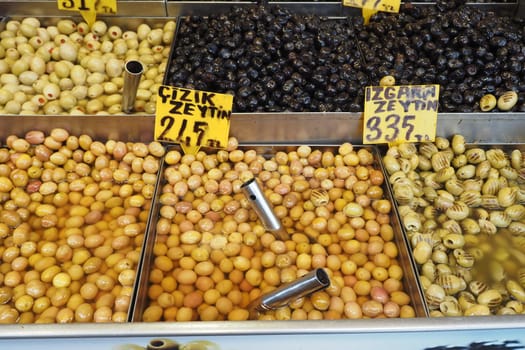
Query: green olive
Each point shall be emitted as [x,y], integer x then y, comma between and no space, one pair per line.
[83,28]
[155,37]
[12,26]
[80,92]
[4,66]
[8,79]
[114,32]
[66,84]
[95,91]
[114,67]
[52,31]
[27,30]
[99,28]
[95,64]
[66,26]
[96,77]
[5,96]
[28,77]
[19,67]
[12,107]
[106,46]
[143,30]
[67,100]
[51,91]
[68,51]
[37,65]
[52,108]
[63,68]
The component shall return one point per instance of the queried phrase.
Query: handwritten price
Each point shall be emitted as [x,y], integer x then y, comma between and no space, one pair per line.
[400,127]
[106,6]
[198,131]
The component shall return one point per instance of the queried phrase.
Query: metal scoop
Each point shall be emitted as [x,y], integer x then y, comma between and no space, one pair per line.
[313,281]
[263,208]
[132,73]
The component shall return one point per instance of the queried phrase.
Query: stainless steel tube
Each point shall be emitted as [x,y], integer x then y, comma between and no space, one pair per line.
[263,208]
[313,281]
[132,73]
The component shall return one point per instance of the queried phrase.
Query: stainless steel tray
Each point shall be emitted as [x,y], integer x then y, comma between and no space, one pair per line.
[410,280]
[293,128]
[480,273]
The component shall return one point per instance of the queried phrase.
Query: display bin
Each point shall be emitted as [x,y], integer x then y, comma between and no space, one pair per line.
[142,300]
[91,76]
[336,56]
[54,222]
[267,129]
[472,228]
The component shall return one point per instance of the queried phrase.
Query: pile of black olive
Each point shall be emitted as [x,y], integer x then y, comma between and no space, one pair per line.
[275,61]
[272,60]
[469,52]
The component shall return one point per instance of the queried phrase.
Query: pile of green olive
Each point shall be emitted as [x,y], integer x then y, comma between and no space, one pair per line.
[73,212]
[212,256]
[69,68]
[463,210]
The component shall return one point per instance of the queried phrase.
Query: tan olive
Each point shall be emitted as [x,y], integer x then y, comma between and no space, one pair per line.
[507,101]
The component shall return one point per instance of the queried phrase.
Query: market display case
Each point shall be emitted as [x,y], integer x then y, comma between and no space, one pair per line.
[265,130]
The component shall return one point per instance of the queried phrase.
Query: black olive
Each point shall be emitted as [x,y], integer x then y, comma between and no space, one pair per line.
[498,41]
[319,94]
[244,91]
[469,98]
[464,49]
[225,52]
[490,68]
[457,74]
[456,97]
[471,69]
[297,79]
[252,73]
[454,63]
[288,86]
[245,81]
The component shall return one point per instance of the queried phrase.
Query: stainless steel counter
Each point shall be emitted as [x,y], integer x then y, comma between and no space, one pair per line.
[263,128]
[291,128]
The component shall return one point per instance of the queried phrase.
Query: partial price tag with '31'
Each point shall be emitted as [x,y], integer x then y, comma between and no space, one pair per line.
[371,7]
[400,113]
[377,5]
[193,118]
[89,8]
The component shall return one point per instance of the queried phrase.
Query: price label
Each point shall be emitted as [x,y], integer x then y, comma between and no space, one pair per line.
[193,118]
[400,113]
[378,5]
[89,8]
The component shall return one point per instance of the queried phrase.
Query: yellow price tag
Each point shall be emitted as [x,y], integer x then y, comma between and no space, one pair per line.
[378,5]
[193,118]
[89,8]
[405,113]
[367,14]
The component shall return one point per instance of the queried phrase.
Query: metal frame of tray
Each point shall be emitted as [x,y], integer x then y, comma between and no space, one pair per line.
[171,8]
[289,128]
